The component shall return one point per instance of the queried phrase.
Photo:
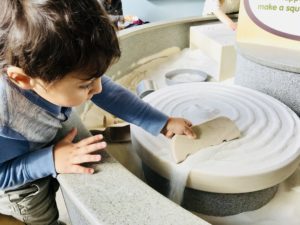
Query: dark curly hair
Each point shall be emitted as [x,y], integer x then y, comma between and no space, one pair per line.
[50,38]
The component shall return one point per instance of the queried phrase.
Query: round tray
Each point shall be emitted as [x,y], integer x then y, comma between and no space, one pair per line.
[179,76]
[266,154]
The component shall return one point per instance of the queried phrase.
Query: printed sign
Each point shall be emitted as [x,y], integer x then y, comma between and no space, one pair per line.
[280,17]
[270,30]
[273,23]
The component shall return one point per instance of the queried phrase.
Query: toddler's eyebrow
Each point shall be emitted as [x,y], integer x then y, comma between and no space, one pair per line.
[91,76]
[87,79]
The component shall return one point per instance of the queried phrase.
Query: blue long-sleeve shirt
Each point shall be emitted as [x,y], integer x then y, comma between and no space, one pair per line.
[28,124]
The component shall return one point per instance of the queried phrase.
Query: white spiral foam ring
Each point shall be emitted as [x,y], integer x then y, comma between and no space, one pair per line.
[266,154]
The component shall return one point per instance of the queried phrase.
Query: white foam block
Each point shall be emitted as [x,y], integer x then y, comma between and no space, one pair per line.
[218,42]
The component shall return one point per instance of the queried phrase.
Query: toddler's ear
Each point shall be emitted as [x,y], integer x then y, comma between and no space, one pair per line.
[18,77]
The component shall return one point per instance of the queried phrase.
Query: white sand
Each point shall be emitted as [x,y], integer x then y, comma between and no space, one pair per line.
[156,66]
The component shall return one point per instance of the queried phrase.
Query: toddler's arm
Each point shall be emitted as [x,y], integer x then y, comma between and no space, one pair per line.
[214,7]
[122,103]
[19,166]
[127,106]
[225,19]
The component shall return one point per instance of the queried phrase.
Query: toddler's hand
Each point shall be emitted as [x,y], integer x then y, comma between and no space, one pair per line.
[68,156]
[178,126]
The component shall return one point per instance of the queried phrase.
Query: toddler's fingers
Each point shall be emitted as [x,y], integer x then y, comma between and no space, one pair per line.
[89,140]
[187,122]
[169,134]
[189,133]
[86,159]
[91,148]
[81,169]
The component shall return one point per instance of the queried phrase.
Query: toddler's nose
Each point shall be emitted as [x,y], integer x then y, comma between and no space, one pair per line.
[97,87]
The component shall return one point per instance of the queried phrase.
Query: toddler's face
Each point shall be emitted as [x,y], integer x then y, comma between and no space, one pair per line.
[72,90]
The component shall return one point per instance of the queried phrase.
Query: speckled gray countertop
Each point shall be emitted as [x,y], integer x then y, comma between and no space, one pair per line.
[114,196]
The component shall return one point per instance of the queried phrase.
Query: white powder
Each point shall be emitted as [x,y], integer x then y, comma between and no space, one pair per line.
[178,179]
[187,77]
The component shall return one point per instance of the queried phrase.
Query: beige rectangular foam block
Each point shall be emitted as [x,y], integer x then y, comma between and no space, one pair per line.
[218,42]
[212,132]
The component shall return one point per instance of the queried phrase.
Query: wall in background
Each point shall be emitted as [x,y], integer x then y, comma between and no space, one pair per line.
[158,10]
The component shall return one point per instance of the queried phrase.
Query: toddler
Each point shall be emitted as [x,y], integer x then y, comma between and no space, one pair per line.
[53,55]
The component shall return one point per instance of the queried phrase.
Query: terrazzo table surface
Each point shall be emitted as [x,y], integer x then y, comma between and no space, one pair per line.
[113,195]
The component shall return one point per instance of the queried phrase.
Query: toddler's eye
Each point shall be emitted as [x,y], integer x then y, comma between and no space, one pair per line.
[87,86]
